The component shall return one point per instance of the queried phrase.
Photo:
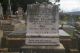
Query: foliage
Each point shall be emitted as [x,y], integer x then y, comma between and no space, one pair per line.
[16,3]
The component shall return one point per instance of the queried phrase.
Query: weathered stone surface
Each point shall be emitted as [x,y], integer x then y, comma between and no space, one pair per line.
[42,19]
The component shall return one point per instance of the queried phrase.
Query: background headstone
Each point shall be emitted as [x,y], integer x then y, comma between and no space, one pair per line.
[20,13]
[1,10]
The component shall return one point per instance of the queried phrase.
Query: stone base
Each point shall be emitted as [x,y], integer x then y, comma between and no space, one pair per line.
[7,27]
[43,49]
[74,51]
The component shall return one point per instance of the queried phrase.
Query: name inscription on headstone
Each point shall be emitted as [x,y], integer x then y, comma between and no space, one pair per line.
[42,41]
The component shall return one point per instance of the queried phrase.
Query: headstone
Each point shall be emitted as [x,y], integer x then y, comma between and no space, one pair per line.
[20,13]
[1,10]
[9,12]
[42,21]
